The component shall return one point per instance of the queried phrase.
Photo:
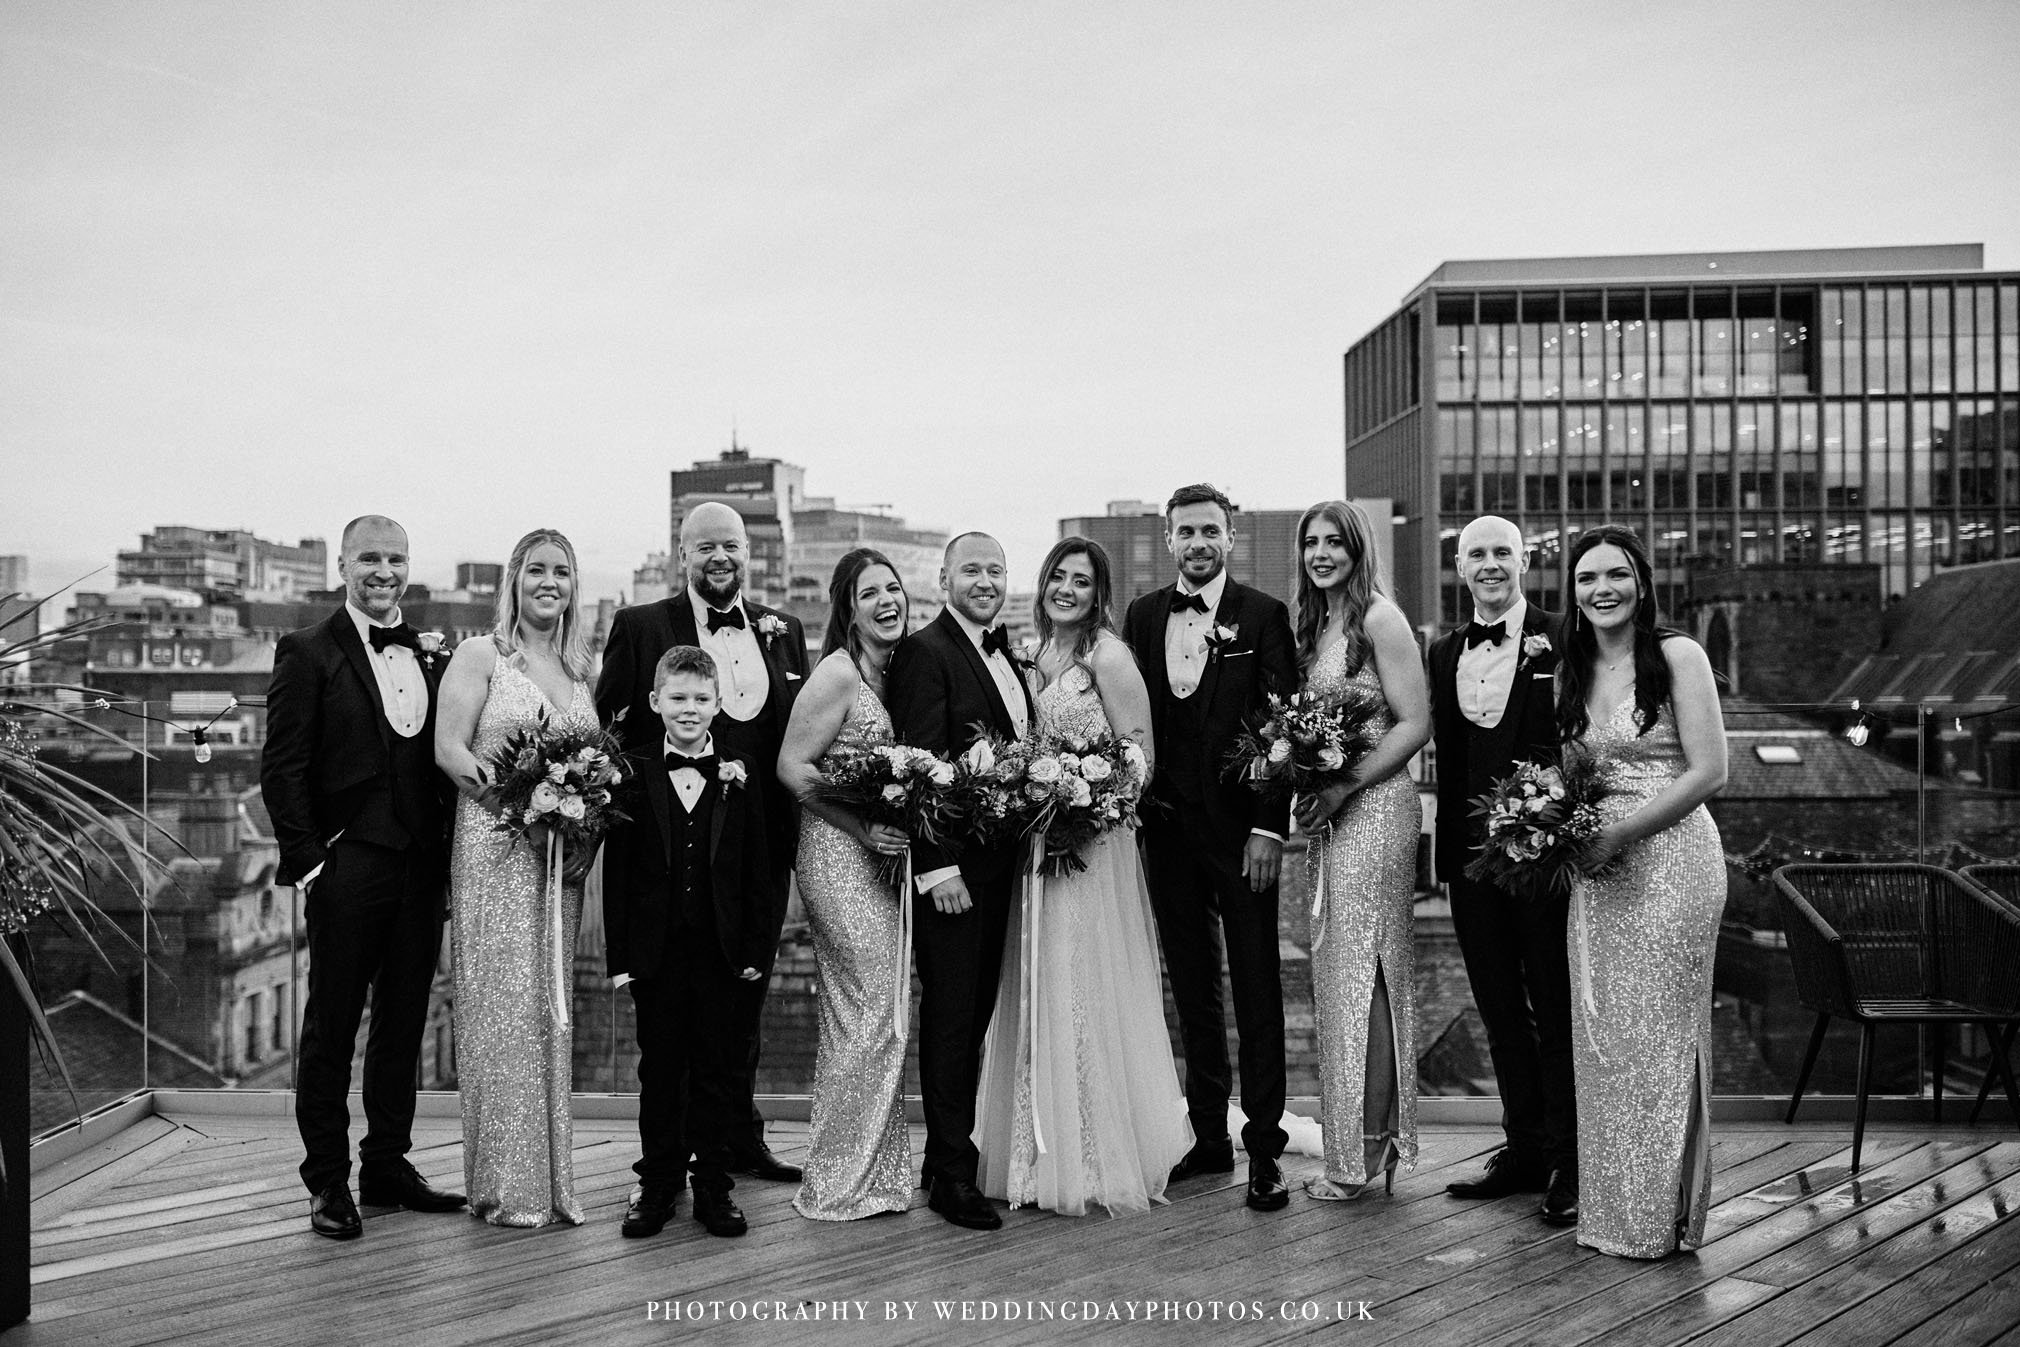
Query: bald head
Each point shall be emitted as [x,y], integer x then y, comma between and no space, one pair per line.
[1492,558]
[373,561]
[375,523]
[974,577]
[714,549]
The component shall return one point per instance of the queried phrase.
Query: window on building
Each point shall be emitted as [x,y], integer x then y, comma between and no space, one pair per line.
[255,1026]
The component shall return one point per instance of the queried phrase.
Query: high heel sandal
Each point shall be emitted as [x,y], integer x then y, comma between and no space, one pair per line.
[1325,1190]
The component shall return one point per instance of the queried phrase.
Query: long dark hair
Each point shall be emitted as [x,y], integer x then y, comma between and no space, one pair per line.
[841,633]
[1581,647]
[1357,592]
[1104,595]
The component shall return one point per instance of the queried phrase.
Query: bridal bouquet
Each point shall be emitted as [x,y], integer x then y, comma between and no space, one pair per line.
[1539,818]
[1067,791]
[566,779]
[904,787]
[1307,743]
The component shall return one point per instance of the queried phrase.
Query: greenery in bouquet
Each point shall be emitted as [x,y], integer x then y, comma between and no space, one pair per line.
[1538,821]
[897,785]
[567,780]
[1068,791]
[1306,743]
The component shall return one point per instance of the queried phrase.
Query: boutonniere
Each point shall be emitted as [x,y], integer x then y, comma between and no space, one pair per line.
[1536,645]
[770,627]
[1218,637]
[429,646]
[1024,655]
[731,774]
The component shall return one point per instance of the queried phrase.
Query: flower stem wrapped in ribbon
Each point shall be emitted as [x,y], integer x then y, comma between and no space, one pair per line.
[1539,819]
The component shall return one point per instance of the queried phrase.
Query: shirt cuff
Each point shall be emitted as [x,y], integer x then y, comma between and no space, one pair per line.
[928,881]
[620,980]
[310,878]
[1265,832]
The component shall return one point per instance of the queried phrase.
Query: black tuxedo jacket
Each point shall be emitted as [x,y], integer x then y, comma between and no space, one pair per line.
[938,689]
[1235,686]
[328,741]
[638,897]
[1471,759]
[640,635]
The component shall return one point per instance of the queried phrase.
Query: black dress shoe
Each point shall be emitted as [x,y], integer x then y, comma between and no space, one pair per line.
[401,1186]
[1505,1174]
[963,1204]
[760,1163]
[333,1215]
[1206,1157]
[1267,1190]
[1560,1204]
[648,1210]
[719,1213]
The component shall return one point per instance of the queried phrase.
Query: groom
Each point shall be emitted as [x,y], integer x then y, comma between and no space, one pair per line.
[952,676]
[1212,651]
[760,655]
[1492,705]
[362,818]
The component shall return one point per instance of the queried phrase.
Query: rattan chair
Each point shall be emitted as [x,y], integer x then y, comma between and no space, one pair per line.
[2002,881]
[1898,944]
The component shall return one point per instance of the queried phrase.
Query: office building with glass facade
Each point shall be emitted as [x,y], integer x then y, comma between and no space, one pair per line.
[1834,405]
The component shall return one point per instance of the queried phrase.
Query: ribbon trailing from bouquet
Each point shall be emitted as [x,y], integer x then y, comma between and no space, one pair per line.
[901,979]
[1034,906]
[562,958]
[1315,871]
[1585,969]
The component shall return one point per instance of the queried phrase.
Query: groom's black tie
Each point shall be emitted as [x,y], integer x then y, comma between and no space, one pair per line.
[403,634]
[996,641]
[1493,633]
[1182,602]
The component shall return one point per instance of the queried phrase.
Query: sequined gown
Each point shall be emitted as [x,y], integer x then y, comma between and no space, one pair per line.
[513,1055]
[859,1157]
[1641,940]
[1364,870]
[1090,1073]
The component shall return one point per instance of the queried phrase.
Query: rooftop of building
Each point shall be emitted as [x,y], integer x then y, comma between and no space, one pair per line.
[1807,263]
[1952,641]
[1771,755]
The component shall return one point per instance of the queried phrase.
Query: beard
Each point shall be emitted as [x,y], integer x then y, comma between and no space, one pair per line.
[717,590]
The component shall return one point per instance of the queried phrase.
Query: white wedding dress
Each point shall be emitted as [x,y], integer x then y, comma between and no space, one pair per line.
[1079,1099]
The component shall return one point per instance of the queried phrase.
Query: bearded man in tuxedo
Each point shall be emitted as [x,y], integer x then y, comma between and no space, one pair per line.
[760,656]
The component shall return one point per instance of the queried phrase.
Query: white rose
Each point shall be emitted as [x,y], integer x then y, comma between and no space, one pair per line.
[1280,751]
[571,806]
[545,798]
[1331,759]
[894,794]
[1044,771]
[1095,769]
[980,757]
[557,771]
[1132,753]
[1083,794]
[940,773]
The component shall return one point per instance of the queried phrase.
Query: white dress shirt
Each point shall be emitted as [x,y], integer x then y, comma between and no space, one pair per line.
[1185,638]
[688,783]
[739,660]
[403,688]
[1011,685]
[1486,672]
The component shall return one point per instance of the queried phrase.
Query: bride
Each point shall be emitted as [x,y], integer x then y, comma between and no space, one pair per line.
[1079,1100]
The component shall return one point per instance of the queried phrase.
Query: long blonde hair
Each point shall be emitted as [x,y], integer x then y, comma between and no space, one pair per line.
[571,642]
[1357,593]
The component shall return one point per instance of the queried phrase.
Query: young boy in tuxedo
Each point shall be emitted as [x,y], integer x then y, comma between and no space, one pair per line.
[686,918]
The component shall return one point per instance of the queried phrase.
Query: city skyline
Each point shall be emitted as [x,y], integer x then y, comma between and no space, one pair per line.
[492,269]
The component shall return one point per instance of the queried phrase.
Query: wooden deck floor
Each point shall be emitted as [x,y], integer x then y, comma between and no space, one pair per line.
[194,1229]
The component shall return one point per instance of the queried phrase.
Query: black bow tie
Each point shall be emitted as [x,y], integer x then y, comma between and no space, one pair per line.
[381,637]
[1493,633]
[1182,602]
[718,619]
[996,641]
[705,764]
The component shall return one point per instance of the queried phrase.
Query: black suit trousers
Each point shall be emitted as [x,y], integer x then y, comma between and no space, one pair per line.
[1200,899]
[375,927]
[690,1059]
[960,958]
[1515,958]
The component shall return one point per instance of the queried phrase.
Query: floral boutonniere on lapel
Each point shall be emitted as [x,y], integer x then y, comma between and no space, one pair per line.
[770,627]
[428,648]
[1535,646]
[1024,655]
[1218,638]
[731,774]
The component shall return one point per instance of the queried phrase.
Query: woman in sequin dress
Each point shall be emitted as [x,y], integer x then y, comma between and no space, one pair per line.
[1362,862]
[1644,918]
[1079,1102]
[859,1156]
[513,1043]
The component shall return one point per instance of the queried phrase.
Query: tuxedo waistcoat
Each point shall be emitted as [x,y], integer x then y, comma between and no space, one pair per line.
[688,832]
[1185,762]
[400,804]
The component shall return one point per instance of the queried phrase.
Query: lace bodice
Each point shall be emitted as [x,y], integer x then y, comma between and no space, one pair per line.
[1070,705]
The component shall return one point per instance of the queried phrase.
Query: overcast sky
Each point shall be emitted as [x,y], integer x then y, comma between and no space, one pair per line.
[491,266]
